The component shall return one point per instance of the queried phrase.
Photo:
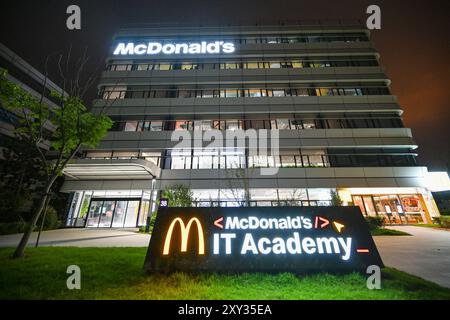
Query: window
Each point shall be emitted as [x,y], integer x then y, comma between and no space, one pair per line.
[297,64]
[182,125]
[232,124]
[121,67]
[229,66]
[278,93]
[156,126]
[206,124]
[254,93]
[251,65]
[164,66]
[309,124]
[275,65]
[189,66]
[98,155]
[125,154]
[184,93]
[131,126]
[117,92]
[218,125]
[142,67]
[283,124]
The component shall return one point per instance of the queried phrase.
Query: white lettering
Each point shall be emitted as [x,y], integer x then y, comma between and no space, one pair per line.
[249,245]
[123,49]
[215,47]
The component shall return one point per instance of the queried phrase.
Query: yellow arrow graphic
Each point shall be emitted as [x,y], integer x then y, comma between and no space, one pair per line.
[338,226]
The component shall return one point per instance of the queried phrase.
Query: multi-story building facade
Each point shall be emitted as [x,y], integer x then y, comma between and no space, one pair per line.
[30,79]
[321,88]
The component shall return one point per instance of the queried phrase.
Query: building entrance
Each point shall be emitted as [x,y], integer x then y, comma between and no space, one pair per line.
[116,213]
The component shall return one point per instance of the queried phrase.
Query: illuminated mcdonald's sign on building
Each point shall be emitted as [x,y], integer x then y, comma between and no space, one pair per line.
[273,239]
[185,231]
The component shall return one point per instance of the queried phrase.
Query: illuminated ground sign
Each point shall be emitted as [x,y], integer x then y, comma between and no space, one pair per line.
[297,239]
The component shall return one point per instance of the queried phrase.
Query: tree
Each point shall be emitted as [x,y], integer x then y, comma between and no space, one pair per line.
[178,196]
[74,127]
[335,199]
[20,176]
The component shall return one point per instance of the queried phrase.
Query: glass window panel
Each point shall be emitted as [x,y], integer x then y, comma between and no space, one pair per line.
[254,92]
[411,203]
[283,124]
[145,206]
[106,214]
[309,124]
[278,93]
[369,206]
[319,194]
[164,66]
[94,213]
[132,214]
[263,194]
[142,66]
[274,65]
[232,125]
[208,94]
[119,214]
[125,154]
[156,126]
[292,194]
[98,155]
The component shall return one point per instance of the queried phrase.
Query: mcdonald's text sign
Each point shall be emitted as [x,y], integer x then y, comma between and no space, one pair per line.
[270,239]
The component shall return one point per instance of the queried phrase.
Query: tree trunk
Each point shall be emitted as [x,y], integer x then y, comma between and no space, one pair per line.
[20,250]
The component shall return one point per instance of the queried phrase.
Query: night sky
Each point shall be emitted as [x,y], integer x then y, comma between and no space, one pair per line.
[414,43]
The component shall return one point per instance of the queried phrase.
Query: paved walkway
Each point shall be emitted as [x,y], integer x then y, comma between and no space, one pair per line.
[83,238]
[425,254]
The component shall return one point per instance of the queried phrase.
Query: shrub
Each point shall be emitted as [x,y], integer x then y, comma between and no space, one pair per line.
[375,222]
[442,221]
[51,220]
[12,227]
[152,224]
[152,221]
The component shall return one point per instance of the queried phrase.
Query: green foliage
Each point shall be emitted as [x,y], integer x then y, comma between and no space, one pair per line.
[375,222]
[74,126]
[442,221]
[116,273]
[12,227]
[335,199]
[51,219]
[178,195]
[152,223]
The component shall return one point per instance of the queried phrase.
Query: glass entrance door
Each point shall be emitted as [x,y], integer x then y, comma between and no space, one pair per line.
[106,214]
[94,213]
[132,214]
[120,213]
[117,213]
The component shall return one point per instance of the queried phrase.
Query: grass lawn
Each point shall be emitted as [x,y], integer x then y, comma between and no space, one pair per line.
[116,273]
[388,232]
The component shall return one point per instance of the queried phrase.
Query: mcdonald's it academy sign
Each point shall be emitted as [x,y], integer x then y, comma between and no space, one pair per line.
[271,239]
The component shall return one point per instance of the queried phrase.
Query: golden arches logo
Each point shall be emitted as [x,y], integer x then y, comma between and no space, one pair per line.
[185,230]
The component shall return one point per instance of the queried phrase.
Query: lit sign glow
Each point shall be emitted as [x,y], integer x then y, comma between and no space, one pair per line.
[185,230]
[296,239]
[153,48]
